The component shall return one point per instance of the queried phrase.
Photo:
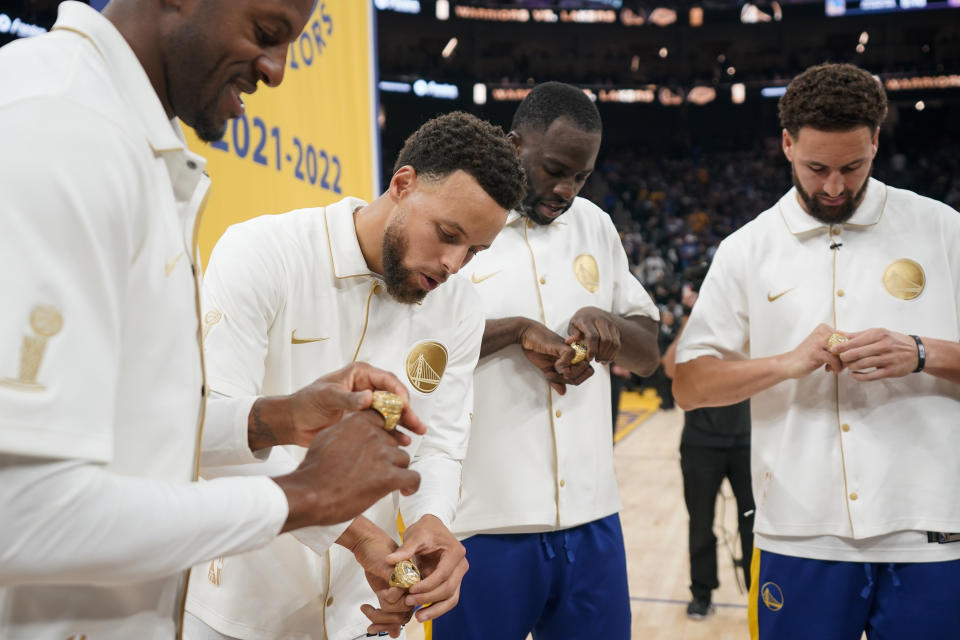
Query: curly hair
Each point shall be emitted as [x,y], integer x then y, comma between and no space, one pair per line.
[460,141]
[552,100]
[833,97]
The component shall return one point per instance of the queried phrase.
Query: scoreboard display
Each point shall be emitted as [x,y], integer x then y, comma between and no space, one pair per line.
[837,8]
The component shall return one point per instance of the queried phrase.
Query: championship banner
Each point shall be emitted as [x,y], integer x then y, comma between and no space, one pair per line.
[309,142]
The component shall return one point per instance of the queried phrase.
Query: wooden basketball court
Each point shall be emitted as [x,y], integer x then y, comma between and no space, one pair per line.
[655,530]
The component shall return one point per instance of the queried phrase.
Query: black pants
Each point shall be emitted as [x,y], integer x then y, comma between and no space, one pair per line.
[663,386]
[704,468]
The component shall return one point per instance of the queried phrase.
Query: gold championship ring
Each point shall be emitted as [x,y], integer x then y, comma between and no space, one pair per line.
[405,574]
[835,339]
[580,353]
[390,406]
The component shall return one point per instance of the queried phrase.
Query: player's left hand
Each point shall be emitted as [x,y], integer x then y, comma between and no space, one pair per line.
[874,354]
[393,612]
[596,329]
[442,561]
[371,546]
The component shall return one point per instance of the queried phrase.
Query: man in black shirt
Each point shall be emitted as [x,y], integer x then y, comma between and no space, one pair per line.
[715,444]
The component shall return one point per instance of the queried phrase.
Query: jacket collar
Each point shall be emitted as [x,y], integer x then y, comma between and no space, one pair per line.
[867,214]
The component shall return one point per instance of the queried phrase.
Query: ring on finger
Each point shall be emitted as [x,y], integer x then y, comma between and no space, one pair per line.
[835,339]
[405,574]
[580,352]
[390,406]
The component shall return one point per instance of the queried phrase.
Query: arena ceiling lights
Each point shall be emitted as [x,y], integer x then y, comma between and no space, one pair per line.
[647,94]
[400,6]
[421,88]
[668,96]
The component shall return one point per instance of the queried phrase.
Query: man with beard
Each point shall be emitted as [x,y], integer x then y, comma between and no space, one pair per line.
[837,311]
[540,500]
[301,293]
[102,392]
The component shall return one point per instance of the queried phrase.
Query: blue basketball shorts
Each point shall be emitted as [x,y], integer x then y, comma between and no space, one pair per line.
[802,599]
[562,585]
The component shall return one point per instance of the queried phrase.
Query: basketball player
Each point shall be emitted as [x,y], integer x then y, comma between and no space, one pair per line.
[301,293]
[837,311]
[540,500]
[101,384]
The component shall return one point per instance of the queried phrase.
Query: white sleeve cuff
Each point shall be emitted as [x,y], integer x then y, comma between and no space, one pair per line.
[225,439]
[320,539]
[439,491]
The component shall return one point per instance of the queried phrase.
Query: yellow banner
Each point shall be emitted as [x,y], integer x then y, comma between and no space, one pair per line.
[309,142]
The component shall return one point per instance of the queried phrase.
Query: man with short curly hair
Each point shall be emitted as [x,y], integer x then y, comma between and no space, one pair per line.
[837,311]
[309,291]
[458,141]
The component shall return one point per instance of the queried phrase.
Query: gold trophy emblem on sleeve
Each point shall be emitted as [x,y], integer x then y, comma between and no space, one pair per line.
[46,322]
[211,318]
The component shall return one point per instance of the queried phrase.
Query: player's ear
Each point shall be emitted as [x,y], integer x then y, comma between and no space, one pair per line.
[787,143]
[516,139]
[403,182]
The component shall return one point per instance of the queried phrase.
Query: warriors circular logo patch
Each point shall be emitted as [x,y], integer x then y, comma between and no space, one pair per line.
[904,279]
[772,596]
[587,272]
[426,363]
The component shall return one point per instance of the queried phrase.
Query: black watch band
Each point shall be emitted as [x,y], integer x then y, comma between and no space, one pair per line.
[921,354]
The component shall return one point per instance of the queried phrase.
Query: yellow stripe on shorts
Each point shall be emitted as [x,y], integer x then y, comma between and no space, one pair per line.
[754,596]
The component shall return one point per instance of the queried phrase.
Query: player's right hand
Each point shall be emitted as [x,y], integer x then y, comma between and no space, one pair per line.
[328,398]
[347,468]
[811,354]
[544,349]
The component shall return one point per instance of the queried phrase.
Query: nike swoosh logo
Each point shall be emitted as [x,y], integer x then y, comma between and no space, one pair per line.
[295,340]
[170,265]
[782,293]
[478,280]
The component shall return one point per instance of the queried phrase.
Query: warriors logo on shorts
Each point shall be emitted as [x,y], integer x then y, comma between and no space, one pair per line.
[771,596]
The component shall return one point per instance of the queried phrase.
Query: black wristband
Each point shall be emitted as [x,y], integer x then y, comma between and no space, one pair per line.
[921,354]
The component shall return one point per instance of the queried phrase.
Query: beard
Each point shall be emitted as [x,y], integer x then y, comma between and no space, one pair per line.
[528,207]
[398,278]
[830,214]
[185,53]
[206,127]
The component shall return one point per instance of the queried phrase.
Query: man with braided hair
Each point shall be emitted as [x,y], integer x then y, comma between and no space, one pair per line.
[300,294]
[837,311]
